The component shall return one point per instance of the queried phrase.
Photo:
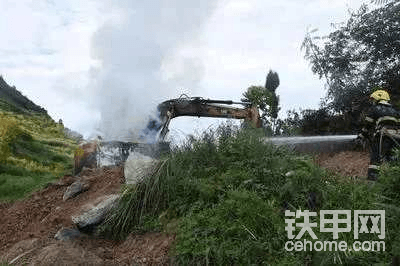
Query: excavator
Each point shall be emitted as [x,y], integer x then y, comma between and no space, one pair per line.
[200,107]
[167,110]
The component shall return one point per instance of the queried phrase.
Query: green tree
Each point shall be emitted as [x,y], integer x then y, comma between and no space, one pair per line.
[271,84]
[358,56]
[266,100]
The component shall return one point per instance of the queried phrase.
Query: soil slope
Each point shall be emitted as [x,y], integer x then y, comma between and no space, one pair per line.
[28,228]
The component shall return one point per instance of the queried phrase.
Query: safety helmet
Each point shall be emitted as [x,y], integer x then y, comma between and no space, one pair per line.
[380,95]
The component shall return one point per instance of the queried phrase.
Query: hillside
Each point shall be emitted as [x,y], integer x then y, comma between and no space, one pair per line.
[12,100]
[34,149]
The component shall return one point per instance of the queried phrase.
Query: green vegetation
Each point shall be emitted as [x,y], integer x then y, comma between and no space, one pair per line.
[351,72]
[225,196]
[4,263]
[354,59]
[33,152]
[267,101]
[13,101]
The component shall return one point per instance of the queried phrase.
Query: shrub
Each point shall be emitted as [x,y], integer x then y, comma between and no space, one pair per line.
[225,194]
[9,130]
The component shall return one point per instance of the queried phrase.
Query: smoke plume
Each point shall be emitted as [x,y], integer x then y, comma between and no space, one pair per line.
[137,55]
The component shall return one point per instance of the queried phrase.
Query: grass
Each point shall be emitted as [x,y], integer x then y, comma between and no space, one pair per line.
[6,106]
[33,151]
[224,196]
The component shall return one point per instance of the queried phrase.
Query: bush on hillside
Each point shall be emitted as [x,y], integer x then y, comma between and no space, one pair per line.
[225,195]
[9,130]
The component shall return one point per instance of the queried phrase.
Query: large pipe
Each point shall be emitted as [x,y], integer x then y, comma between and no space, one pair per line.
[118,151]
[316,144]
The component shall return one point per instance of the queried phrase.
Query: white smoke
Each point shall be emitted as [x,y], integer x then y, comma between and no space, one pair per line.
[137,69]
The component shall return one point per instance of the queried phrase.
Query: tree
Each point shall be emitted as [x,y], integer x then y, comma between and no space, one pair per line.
[260,97]
[291,125]
[266,99]
[272,81]
[359,56]
[271,84]
[380,2]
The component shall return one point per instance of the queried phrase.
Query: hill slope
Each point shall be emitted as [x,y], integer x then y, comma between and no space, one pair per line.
[33,148]
[12,100]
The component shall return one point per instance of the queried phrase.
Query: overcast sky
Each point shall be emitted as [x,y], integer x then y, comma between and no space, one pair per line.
[106,64]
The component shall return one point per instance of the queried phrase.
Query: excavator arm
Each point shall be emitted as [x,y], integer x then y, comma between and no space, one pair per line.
[200,107]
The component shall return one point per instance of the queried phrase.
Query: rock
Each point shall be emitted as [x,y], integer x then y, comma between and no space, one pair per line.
[137,166]
[65,234]
[76,188]
[87,221]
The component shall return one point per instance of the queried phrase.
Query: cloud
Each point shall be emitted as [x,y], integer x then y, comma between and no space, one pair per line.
[44,49]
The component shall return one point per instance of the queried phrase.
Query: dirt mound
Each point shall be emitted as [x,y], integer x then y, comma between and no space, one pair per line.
[29,226]
[45,211]
[346,163]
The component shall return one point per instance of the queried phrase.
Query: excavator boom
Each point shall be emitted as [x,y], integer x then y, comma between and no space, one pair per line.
[200,107]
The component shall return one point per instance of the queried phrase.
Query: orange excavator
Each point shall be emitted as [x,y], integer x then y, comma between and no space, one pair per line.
[200,107]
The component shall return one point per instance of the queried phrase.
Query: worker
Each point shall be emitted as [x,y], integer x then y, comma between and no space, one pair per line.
[381,118]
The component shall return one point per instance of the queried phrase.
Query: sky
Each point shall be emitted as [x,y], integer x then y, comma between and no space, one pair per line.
[102,66]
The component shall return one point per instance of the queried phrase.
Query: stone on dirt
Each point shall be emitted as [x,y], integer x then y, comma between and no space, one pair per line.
[137,166]
[88,220]
[65,234]
[76,188]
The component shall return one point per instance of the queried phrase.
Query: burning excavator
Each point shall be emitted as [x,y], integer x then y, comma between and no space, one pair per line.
[116,152]
[200,107]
